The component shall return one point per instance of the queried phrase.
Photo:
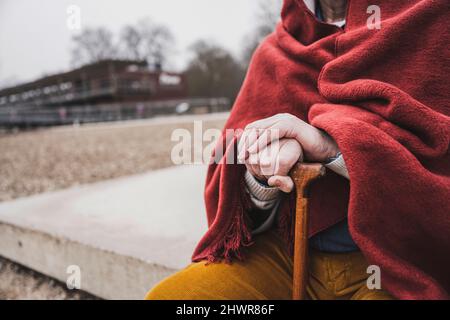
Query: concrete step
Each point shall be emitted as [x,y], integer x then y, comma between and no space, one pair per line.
[125,234]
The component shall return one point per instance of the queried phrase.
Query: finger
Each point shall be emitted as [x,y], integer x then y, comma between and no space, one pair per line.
[261,164]
[260,143]
[242,147]
[253,159]
[267,161]
[247,138]
[290,153]
[268,136]
[284,183]
[253,136]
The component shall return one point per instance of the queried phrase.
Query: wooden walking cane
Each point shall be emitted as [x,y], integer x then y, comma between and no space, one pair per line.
[303,175]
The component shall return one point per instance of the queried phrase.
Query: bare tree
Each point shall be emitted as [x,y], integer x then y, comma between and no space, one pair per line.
[93,45]
[266,18]
[160,45]
[131,42]
[143,41]
[147,41]
[213,72]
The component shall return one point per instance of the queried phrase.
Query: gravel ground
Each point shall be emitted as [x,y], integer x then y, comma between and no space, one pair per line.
[50,159]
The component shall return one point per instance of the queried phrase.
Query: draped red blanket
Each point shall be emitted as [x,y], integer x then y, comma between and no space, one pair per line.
[384,96]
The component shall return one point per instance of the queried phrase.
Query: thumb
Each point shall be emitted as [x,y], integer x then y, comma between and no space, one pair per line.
[284,183]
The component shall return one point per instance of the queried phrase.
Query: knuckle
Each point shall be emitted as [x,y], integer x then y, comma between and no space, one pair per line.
[249,126]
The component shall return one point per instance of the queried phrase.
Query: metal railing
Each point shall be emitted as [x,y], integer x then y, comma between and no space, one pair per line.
[31,116]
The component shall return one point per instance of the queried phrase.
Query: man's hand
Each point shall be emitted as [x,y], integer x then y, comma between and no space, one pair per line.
[316,144]
[273,163]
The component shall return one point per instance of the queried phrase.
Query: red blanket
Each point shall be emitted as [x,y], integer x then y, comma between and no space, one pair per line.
[384,96]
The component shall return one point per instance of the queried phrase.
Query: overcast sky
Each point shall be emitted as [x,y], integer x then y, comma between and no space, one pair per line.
[35,39]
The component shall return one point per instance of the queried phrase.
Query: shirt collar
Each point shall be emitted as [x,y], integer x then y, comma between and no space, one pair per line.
[311,5]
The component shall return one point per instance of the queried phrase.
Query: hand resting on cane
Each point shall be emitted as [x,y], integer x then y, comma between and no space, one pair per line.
[270,147]
[272,164]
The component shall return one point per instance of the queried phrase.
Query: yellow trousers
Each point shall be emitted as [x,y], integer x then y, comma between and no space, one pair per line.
[266,273]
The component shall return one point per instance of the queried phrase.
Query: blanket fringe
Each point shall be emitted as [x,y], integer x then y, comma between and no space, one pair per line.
[238,235]
[286,222]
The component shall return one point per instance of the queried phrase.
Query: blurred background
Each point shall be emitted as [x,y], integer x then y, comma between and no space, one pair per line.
[88,61]
[91,90]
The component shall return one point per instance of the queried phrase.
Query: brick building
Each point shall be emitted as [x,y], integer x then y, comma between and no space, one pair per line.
[108,90]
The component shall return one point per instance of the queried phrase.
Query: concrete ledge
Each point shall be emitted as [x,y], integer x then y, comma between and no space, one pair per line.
[125,235]
[106,274]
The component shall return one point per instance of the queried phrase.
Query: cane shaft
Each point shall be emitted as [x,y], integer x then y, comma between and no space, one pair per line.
[303,175]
